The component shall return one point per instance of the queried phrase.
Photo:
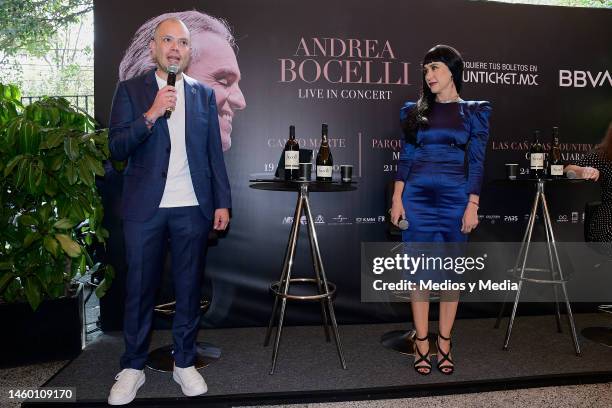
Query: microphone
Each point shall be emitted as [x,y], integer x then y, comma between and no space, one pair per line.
[571,174]
[172,70]
[403,224]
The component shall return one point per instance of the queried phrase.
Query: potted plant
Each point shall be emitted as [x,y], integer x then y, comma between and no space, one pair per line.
[50,215]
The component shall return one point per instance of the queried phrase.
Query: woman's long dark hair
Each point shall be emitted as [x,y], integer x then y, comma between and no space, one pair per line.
[418,116]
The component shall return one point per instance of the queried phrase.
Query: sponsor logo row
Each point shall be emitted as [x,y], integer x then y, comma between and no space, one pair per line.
[339,219]
[573,217]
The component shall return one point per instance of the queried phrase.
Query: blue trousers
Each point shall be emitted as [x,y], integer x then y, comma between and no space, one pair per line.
[187,230]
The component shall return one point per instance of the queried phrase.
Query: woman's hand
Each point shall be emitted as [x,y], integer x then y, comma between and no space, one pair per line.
[589,173]
[470,218]
[397,211]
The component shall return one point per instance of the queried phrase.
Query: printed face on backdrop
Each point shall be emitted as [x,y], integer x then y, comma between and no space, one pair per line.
[214,63]
[438,77]
[170,45]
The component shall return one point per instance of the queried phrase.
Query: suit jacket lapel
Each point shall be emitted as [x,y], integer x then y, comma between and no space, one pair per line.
[190,99]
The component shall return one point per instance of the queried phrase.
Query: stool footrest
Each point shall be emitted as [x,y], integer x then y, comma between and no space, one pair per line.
[276,289]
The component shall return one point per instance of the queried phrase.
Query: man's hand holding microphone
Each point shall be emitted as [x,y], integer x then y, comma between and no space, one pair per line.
[165,100]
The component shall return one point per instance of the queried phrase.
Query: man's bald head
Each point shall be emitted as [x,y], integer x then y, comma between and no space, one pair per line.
[169,20]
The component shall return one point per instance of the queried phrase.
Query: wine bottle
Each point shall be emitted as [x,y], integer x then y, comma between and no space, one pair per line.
[292,156]
[554,160]
[325,161]
[536,157]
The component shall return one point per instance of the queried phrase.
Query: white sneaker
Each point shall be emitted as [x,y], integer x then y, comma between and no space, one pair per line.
[128,381]
[190,380]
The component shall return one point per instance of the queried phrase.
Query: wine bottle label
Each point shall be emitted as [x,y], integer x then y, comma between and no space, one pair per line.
[324,171]
[556,169]
[292,159]
[537,161]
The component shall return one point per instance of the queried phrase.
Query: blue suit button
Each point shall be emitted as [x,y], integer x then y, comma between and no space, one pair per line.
[168,150]
[163,174]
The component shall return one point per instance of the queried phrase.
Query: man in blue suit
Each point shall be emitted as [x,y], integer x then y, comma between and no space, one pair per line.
[176,188]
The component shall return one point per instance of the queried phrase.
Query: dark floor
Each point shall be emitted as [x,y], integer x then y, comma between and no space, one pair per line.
[308,364]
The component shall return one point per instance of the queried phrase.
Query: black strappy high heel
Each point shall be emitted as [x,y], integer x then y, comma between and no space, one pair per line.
[423,369]
[446,368]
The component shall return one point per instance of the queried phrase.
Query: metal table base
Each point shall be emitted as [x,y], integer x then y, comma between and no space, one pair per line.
[325,288]
[557,279]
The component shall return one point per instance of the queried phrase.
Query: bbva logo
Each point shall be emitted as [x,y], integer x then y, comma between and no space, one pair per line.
[581,79]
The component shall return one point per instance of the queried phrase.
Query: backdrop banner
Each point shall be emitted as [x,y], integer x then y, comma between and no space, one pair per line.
[352,66]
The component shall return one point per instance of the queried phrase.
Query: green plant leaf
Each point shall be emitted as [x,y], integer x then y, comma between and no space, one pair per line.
[85,174]
[94,165]
[56,162]
[58,277]
[71,173]
[32,290]
[46,275]
[35,177]
[71,248]
[52,139]
[76,211]
[10,92]
[29,137]
[22,170]
[11,164]
[30,238]
[56,289]
[5,280]
[109,276]
[83,265]
[55,116]
[6,266]
[102,233]
[71,147]
[74,267]
[85,205]
[88,258]
[27,220]
[11,132]
[44,212]
[51,245]
[51,187]
[64,223]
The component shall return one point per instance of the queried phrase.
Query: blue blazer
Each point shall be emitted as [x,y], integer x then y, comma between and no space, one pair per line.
[148,151]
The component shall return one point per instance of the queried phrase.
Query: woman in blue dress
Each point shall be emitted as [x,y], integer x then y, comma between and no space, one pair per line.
[437,186]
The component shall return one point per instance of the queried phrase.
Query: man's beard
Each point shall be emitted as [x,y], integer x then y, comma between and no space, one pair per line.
[181,68]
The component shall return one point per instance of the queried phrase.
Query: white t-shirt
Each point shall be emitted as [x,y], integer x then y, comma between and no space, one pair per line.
[178,191]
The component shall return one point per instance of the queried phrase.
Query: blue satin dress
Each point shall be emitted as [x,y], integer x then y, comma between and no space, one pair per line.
[442,169]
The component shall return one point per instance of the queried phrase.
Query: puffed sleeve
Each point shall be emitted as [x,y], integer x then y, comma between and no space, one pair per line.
[477,145]
[407,153]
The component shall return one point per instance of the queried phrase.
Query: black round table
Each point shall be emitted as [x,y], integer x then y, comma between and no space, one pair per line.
[280,289]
